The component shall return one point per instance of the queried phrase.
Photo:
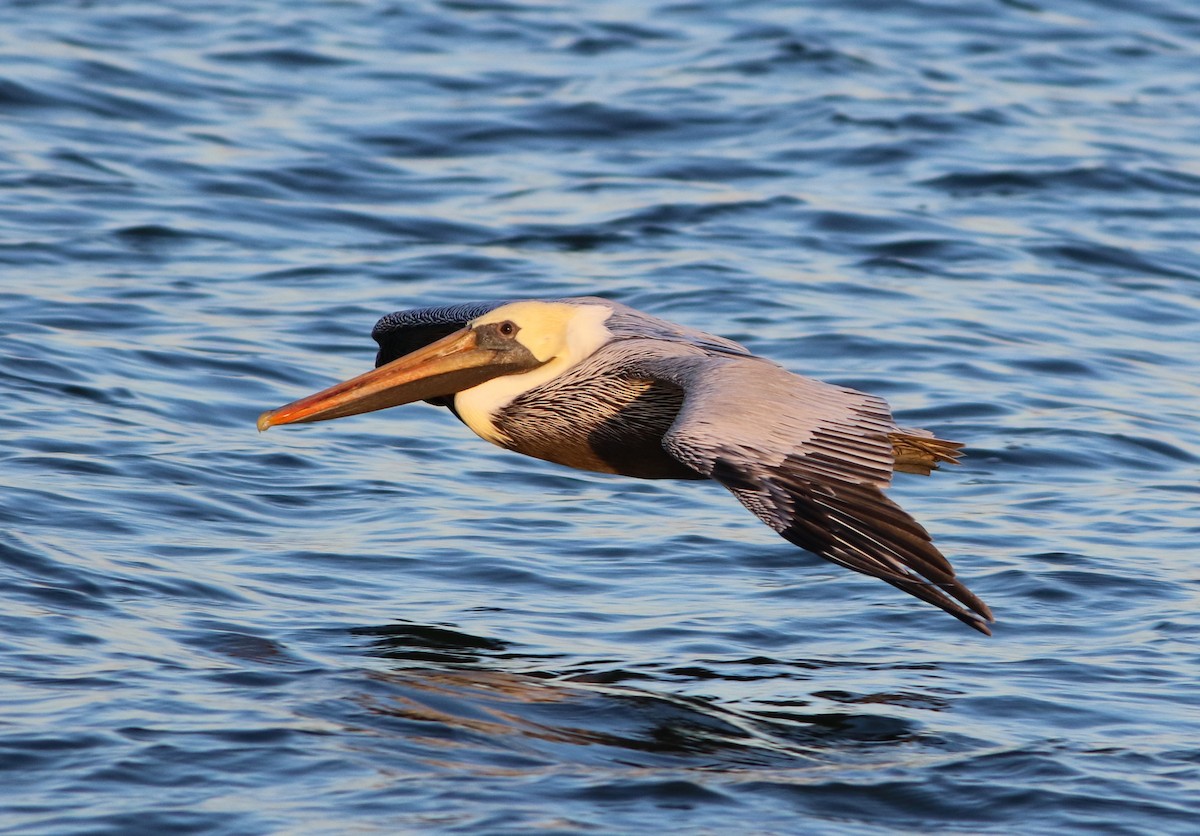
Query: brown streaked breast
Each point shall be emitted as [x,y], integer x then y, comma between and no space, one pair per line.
[604,423]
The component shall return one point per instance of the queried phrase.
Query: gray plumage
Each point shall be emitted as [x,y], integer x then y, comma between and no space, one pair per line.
[659,400]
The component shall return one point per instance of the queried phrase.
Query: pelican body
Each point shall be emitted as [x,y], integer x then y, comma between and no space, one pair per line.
[594,384]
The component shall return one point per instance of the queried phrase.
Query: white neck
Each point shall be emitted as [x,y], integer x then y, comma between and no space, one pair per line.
[585,332]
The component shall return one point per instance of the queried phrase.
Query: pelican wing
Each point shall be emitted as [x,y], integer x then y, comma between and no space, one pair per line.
[810,460]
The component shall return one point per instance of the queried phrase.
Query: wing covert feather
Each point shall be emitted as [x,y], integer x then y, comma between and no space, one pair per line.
[810,460]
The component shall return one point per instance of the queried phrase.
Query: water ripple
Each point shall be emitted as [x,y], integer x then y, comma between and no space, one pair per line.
[984,212]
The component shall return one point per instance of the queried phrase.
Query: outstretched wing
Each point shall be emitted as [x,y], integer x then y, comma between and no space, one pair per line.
[810,460]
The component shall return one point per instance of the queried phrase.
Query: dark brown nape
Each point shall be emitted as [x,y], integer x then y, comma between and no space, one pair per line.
[403,332]
[395,344]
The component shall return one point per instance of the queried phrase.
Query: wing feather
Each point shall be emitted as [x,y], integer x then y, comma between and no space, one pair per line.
[810,460]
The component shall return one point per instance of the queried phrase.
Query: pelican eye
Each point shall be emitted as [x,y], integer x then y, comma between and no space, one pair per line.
[507,329]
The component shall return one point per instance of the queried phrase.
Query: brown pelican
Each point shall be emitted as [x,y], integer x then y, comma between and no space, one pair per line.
[594,384]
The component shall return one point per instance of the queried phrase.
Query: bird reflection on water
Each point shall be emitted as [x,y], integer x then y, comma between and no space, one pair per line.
[476,704]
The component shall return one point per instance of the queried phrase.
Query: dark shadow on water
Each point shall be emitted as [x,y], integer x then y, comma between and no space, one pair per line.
[480,697]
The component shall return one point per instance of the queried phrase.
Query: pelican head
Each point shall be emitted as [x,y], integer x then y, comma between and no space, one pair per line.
[509,350]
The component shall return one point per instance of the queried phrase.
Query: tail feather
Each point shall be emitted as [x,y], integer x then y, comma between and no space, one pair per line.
[918,451]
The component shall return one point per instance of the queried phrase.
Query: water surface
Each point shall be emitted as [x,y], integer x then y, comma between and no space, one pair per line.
[984,211]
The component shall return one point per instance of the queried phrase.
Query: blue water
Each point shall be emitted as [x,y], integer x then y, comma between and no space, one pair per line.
[984,211]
